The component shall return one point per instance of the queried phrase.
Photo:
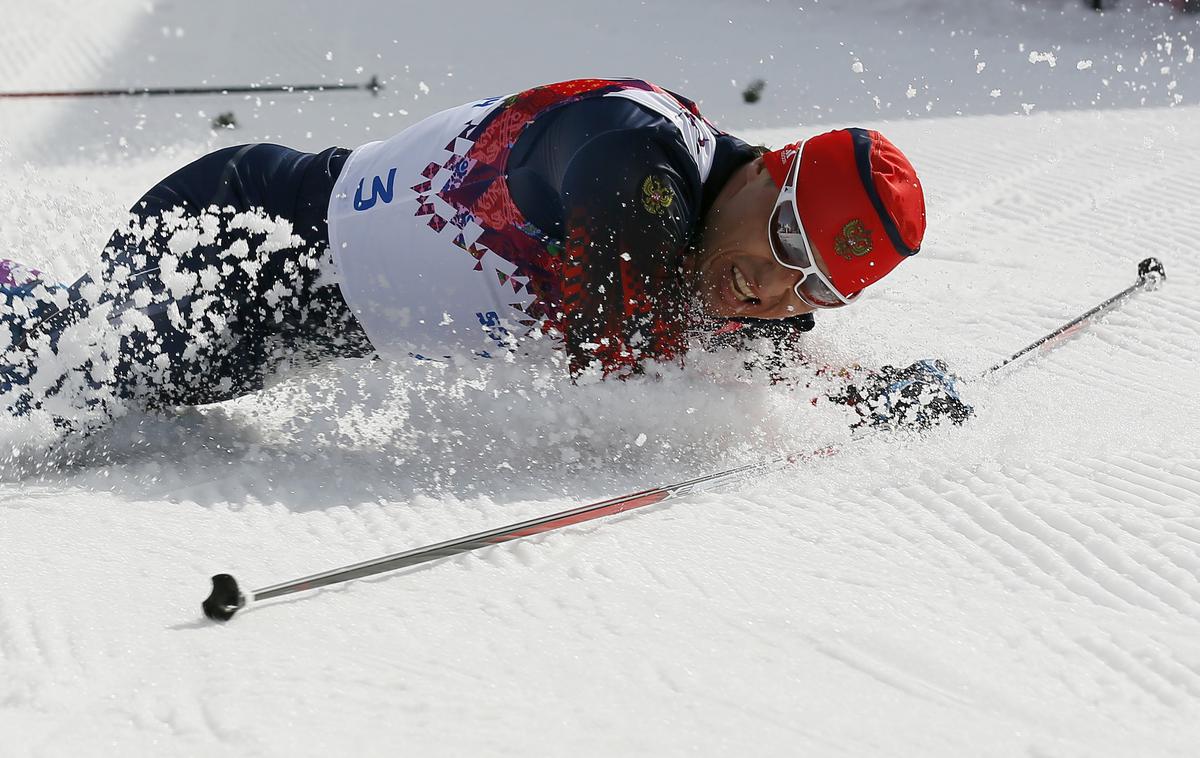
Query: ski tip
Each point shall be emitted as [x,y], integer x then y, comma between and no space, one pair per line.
[224,600]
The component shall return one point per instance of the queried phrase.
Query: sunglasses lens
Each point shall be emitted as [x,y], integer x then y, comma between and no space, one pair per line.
[815,292]
[786,238]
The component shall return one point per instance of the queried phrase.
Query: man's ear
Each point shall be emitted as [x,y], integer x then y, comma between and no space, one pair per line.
[762,175]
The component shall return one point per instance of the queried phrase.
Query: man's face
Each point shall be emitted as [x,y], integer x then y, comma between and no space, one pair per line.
[736,273]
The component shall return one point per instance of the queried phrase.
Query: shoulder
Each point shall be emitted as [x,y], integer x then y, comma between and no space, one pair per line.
[632,154]
[636,181]
[598,123]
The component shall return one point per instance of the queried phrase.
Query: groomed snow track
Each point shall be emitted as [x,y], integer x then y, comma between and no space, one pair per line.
[1028,584]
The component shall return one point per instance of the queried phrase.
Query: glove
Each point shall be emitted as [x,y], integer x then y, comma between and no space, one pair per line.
[919,396]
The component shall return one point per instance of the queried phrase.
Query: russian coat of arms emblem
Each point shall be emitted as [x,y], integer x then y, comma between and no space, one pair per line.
[657,195]
[854,241]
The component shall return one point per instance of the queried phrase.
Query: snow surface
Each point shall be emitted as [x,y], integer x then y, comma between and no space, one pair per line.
[1026,584]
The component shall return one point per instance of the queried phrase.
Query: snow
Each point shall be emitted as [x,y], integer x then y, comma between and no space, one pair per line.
[1026,584]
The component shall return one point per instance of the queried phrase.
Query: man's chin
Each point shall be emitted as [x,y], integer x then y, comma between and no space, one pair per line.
[713,292]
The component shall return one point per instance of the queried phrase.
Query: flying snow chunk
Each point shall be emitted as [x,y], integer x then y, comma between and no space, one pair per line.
[641,439]
[858,67]
[911,92]
[1036,57]
[1083,65]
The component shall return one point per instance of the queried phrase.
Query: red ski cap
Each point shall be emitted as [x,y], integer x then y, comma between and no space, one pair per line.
[859,200]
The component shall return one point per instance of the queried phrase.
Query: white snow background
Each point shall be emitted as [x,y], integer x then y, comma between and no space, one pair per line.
[1027,584]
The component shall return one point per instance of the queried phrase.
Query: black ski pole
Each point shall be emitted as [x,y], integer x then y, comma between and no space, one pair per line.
[373,86]
[226,597]
[1150,276]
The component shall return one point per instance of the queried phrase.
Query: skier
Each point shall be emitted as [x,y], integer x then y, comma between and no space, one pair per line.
[605,217]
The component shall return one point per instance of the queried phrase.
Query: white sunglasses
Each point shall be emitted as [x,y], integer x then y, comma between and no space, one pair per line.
[792,249]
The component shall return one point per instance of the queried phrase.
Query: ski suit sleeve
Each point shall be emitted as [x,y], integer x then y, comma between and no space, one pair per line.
[629,201]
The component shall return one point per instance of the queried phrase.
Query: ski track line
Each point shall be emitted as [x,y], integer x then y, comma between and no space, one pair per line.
[1165,680]
[857,658]
[1099,546]
[1170,668]
[994,165]
[1141,677]
[1177,472]
[1125,489]
[1081,546]
[1152,352]
[951,528]
[1062,557]
[1144,331]
[1091,550]
[1163,316]
[1174,332]
[881,540]
[1099,540]
[1188,532]
[1059,546]
[1005,333]
[1030,558]
[17,652]
[983,535]
[1017,197]
[889,535]
[1082,376]
[1028,223]
[1145,483]
[65,55]
[1056,203]
[39,644]
[1068,380]
[18,637]
[1098,536]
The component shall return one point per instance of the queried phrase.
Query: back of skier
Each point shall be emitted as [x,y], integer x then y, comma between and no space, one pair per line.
[605,217]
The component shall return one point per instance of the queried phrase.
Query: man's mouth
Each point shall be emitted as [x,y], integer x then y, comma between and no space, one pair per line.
[741,287]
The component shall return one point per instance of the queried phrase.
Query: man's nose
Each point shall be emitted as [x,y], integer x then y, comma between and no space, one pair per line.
[780,280]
